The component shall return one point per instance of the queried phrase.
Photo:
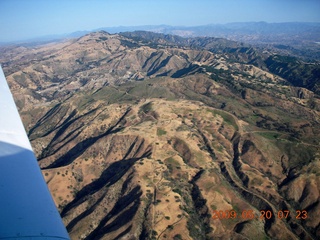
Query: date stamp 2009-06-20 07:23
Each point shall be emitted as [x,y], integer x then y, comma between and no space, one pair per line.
[263,215]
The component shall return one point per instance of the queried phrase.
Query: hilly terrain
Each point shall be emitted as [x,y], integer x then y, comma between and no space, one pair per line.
[290,38]
[300,39]
[150,136]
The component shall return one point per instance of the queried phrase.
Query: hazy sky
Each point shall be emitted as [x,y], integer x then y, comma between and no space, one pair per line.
[24,19]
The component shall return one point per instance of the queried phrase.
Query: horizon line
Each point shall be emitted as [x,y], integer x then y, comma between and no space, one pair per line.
[56,36]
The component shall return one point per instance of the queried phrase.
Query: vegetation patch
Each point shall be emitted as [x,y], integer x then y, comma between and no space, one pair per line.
[172,163]
[269,135]
[161,132]
[227,118]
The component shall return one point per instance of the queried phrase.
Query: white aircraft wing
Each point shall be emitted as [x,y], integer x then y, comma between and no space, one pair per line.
[27,210]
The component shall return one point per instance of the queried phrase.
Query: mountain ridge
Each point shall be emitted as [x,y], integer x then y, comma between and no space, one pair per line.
[292,38]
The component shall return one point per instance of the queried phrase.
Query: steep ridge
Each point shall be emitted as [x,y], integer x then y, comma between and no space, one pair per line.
[149,137]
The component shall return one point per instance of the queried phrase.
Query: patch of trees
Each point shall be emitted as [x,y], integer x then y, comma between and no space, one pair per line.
[298,73]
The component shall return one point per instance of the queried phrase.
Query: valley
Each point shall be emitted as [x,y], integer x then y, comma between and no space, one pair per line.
[146,136]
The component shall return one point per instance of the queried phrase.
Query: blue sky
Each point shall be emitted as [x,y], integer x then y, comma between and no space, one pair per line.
[24,19]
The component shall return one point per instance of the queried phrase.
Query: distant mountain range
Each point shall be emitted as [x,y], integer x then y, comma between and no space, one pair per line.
[232,30]
[293,38]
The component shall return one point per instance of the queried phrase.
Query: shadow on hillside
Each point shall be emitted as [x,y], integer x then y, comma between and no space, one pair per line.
[108,177]
[81,147]
[126,207]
